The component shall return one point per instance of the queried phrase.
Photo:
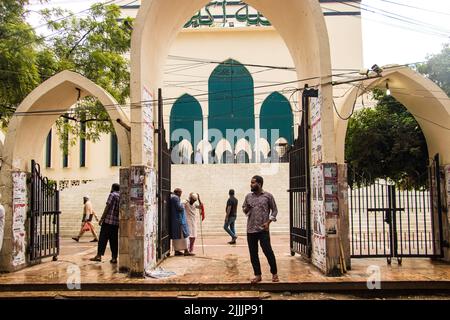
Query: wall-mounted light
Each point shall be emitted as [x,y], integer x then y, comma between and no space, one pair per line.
[388,91]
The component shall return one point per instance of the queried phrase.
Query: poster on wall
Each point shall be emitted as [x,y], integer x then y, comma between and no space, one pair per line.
[316,131]
[150,239]
[20,206]
[447,182]
[2,224]
[148,127]
[318,218]
[319,252]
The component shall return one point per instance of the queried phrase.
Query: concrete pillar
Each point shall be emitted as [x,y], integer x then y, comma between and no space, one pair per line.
[326,218]
[124,234]
[343,229]
[141,225]
[445,195]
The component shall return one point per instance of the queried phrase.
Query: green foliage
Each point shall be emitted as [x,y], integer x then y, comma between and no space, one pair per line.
[94,45]
[386,142]
[19,73]
[437,68]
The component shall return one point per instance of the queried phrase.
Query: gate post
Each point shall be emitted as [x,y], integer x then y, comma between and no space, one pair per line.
[142,221]
[445,192]
[344,216]
[124,233]
[328,241]
[15,201]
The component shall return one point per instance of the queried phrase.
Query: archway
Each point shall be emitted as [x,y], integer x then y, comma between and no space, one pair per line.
[430,106]
[186,113]
[231,99]
[299,22]
[424,99]
[276,113]
[28,132]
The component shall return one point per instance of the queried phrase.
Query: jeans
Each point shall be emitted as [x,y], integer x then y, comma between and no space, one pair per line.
[264,238]
[229,227]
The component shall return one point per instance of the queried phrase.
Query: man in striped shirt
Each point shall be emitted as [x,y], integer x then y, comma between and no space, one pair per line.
[110,226]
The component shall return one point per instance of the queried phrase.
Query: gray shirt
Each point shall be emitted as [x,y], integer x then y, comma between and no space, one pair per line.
[262,208]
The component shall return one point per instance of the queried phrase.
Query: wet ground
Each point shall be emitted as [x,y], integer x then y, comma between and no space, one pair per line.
[223,270]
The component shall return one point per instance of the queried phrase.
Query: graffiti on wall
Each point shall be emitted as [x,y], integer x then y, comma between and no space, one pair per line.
[20,206]
[2,224]
[137,178]
[151,225]
[316,131]
[317,187]
[331,198]
[318,218]
[149,128]
[447,185]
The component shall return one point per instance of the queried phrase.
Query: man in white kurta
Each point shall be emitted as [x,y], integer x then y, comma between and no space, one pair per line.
[190,207]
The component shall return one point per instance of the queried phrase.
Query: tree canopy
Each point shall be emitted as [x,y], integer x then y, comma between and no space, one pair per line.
[94,44]
[386,142]
[437,68]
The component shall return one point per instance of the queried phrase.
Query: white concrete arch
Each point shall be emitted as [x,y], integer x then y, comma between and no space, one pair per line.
[222,146]
[27,133]
[299,22]
[182,152]
[204,146]
[263,98]
[429,105]
[278,146]
[243,144]
[264,146]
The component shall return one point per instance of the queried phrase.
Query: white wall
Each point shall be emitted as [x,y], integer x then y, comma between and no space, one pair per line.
[213,182]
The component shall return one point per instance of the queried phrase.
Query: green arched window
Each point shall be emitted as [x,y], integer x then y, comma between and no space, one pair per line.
[231,99]
[276,113]
[186,114]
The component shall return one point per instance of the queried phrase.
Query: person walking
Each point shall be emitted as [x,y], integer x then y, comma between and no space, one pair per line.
[179,231]
[230,217]
[109,223]
[260,208]
[191,208]
[86,222]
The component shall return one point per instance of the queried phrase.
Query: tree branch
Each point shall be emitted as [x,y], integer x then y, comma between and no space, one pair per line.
[79,41]
[84,121]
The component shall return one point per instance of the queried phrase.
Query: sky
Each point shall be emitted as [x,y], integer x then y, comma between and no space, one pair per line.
[393,30]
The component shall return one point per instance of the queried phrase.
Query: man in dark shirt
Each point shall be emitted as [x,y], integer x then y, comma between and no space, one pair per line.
[230,217]
[109,223]
[260,209]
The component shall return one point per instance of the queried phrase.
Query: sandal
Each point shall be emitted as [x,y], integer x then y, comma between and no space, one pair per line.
[275,278]
[256,279]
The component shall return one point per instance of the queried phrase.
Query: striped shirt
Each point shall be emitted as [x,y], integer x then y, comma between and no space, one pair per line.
[112,215]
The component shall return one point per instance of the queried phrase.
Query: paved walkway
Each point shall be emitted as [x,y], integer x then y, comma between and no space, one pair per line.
[222,267]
